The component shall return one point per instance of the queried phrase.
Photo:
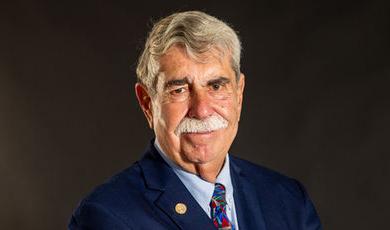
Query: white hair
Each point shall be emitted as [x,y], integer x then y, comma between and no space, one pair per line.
[198,32]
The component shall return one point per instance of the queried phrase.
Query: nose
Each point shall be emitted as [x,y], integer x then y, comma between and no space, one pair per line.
[200,105]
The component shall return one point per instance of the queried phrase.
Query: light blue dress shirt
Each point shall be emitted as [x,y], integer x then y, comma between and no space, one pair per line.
[203,190]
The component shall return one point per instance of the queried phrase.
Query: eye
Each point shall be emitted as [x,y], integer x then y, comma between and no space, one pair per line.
[216,86]
[178,90]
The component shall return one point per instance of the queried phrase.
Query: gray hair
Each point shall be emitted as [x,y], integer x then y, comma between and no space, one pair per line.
[197,32]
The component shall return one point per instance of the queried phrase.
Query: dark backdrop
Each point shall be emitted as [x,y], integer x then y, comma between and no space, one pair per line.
[316,101]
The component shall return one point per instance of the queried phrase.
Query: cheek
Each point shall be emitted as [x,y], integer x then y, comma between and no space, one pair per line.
[227,109]
[172,114]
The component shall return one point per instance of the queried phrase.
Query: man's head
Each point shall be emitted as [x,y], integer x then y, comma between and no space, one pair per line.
[190,88]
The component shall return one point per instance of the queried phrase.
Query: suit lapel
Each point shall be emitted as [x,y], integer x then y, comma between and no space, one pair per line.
[159,176]
[193,218]
[247,202]
[257,207]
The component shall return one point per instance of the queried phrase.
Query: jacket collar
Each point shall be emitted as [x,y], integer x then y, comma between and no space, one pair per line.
[257,195]
[160,177]
[246,198]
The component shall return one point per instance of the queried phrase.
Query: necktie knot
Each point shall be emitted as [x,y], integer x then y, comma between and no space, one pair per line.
[219,195]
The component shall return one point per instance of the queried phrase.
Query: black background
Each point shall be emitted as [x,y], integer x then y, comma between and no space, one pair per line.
[316,101]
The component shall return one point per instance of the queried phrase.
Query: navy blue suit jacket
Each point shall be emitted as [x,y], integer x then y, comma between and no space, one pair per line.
[144,196]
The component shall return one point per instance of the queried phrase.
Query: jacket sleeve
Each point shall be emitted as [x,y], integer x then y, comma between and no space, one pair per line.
[92,216]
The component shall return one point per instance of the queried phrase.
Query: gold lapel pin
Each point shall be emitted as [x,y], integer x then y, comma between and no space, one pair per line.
[181,208]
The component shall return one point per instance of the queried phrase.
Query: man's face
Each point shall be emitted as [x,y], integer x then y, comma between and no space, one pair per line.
[202,91]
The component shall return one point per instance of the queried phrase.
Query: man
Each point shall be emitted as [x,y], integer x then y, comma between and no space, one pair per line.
[190,89]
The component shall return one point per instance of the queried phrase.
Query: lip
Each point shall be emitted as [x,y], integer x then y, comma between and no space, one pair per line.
[200,134]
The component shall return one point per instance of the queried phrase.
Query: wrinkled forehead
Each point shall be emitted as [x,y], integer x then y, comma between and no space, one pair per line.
[212,52]
[178,59]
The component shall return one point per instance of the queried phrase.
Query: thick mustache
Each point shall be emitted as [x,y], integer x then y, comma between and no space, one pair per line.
[193,125]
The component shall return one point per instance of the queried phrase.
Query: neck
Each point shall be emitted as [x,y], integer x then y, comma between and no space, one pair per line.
[207,171]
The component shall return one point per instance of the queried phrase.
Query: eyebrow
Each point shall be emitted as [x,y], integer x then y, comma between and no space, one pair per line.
[219,80]
[184,81]
[176,82]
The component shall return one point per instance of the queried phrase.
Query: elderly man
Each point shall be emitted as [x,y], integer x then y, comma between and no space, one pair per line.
[190,89]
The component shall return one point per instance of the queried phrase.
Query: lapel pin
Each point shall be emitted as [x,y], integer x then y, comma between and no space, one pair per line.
[180,208]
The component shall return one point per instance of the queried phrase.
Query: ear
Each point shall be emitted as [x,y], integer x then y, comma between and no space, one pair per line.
[145,102]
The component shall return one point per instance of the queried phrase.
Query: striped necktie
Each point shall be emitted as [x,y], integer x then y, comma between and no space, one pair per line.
[218,208]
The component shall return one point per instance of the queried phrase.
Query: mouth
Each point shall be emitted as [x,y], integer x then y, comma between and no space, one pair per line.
[202,134]
[199,133]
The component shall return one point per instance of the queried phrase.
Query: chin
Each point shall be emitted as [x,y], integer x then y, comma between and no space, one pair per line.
[199,154]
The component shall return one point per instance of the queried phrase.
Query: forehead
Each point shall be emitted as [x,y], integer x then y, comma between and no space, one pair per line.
[176,62]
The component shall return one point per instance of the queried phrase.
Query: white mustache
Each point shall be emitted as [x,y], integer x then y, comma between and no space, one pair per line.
[193,125]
